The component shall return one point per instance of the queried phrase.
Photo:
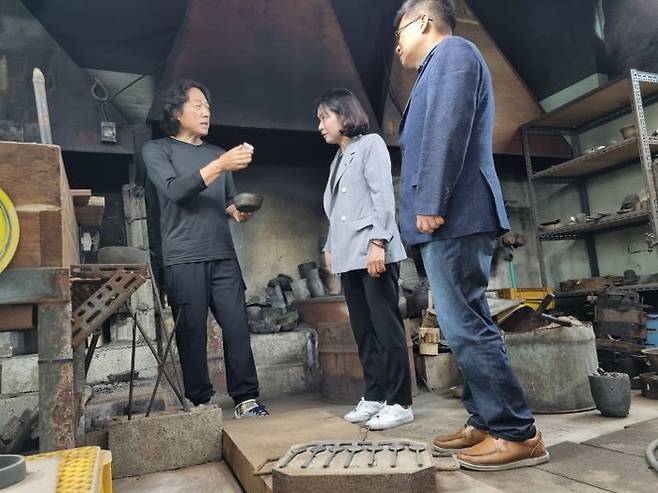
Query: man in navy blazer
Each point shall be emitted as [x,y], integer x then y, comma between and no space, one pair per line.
[452,208]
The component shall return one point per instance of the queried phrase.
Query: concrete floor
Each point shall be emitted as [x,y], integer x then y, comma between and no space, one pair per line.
[434,414]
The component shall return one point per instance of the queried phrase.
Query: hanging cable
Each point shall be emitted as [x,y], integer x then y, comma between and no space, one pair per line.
[106,98]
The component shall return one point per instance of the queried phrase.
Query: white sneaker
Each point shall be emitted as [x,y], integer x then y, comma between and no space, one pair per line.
[390,417]
[364,410]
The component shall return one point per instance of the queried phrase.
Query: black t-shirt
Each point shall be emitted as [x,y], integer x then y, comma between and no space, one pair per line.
[193,220]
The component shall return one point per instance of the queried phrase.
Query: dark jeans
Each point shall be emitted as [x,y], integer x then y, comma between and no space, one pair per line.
[218,285]
[379,334]
[458,271]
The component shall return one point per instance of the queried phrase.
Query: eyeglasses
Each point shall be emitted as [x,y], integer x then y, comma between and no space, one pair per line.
[397,33]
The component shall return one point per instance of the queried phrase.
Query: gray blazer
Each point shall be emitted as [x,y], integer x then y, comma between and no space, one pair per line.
[361,206]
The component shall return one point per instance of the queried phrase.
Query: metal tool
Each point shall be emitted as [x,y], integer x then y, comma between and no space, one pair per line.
[373,449]
[293,453]
[395,448]
[353,450]
[333,451]
[315,450]
[418,449]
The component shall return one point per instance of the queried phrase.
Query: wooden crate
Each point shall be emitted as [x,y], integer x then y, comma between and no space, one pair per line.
[34,177]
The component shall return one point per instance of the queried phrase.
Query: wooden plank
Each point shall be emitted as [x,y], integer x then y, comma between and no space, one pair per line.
[92,213]
[28,253]
[80,196]
[50,235]
[30,173]
[252,447]
[49,232]
[16,317]
[70,239]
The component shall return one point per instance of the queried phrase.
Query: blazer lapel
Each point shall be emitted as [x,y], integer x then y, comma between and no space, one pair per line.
[344,163]
[327,191]
[411,95]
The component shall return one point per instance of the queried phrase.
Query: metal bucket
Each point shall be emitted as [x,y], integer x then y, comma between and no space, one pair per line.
[342,373]
[553,365]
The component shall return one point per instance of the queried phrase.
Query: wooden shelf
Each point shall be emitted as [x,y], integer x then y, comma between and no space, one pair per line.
[613,97]
[609,223]
[594,162]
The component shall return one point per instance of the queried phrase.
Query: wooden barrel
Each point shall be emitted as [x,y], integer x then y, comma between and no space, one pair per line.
[342,373]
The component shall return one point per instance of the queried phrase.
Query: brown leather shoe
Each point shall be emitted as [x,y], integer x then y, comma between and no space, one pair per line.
[465,437]
[496,454]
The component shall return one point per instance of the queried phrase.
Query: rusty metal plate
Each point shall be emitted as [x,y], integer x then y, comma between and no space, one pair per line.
[104,302]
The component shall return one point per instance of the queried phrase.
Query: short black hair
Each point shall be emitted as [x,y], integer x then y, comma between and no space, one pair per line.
[344,103]
[441,9]
[173,100]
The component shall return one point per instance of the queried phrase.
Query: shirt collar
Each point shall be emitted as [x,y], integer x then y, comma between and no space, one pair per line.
[428,57]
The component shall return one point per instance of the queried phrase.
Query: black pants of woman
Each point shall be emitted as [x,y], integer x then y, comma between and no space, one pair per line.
[379,333]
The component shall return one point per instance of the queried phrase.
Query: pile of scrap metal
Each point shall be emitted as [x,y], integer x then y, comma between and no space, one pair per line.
[273,314]
[620,328]
[631,203]
[517,316]
[595,284]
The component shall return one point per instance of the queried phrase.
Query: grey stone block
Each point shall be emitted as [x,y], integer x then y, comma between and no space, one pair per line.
[19,374]
[439,372]
[14,405]
[164,442]
[115,358]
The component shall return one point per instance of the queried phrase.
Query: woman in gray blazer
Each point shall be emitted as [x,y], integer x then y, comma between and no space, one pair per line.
[363,246]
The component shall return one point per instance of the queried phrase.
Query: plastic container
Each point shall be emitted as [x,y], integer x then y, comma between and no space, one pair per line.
[530,296]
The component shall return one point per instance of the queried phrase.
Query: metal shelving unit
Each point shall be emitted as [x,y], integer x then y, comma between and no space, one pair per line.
[616,99]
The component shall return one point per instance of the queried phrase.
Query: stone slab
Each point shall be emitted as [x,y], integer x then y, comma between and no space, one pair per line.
[253,447]
[214,477]
[605,469]
[530,479]
[165,441]
[632,440]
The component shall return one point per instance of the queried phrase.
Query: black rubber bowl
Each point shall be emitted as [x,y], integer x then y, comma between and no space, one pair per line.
[12,470]
[248,202]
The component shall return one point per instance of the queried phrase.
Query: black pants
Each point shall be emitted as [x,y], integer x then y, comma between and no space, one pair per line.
[379,333]
[193,288]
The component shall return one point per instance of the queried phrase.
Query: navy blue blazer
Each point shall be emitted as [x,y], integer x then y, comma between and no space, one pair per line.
[446,139]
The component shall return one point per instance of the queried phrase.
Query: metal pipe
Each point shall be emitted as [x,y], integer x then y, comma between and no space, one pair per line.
[56,399]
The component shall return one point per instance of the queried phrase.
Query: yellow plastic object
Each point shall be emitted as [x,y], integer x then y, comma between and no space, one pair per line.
[530,296]
[82,470]
[9,230]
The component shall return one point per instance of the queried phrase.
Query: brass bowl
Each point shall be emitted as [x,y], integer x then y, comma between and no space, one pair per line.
[248,202]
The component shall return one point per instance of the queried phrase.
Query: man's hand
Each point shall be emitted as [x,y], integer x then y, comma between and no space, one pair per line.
[327,260]
[429,224]
[241,217]
[236,159]
[376,260]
